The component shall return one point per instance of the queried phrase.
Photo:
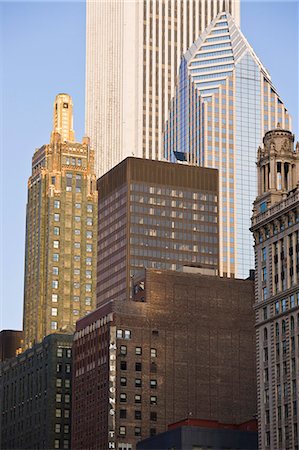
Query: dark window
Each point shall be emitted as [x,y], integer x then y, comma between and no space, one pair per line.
[138,415]
[123,381]
[137,431]
[123,365]
[153,431]
[153,384]
[138,367]
[122,413]
[123,398]
[153,416]
[138,382]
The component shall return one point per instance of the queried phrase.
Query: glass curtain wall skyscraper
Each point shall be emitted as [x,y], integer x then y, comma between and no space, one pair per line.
[224,102]
[133,52]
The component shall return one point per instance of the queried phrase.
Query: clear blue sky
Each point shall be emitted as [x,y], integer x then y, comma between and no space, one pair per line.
[42,47]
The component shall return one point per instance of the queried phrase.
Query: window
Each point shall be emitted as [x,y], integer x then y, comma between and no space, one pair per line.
[153,384]
[89,234]
[76,285]
[56,244]
[138,415]
[77,244]
[88,287]
[58,368]
[277,308]
[137,398]
[56,217]
[153,353]
[78,183]
[88,261]
[58,381]
[79,162]
[77,258]
[153,400]
[138,367]
[55,270]
[264,254]
[76,271]
[55,284]
[88,301]
[153,431]
[123,398]
[123,349]
[122,413]
[55,257]
[77,219]
[66,413]
[76,298]
[88,273]
[67,398]
[54,311]
[89,221]
[138,350]
[89,248]
[122,431]
[56,443]
[138,382]
[67,383]
[58,413]
[153,416]
[54,298]
[76,312]
[119,334]
[77,232]
[123,365]
[65,443]
[56,231]
[69,182]
[78,205]
[66,429]
[137,431]
[57,428]
[68,368]
[89,207]
[123,381]
[54,326]
[127,334]
[58,398]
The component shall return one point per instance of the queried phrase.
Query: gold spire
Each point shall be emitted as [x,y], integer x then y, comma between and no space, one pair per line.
[63,117]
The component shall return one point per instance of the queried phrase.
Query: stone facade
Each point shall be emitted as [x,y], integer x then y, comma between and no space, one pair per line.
[183,345]
[61,228]
[275,225]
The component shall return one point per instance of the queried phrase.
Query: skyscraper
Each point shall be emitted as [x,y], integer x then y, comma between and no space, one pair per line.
[154,214]
[133,51]
[61,224]
[275,225]
[224,101]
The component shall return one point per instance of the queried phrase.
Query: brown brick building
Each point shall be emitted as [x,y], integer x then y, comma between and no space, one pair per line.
[154,214]
[10,343]
[183,345]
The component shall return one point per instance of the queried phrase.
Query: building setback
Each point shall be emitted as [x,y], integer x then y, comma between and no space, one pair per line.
[275,225]
[154,214]
[133,51]
[61,224]
[35,396]
[183,345]
[224,101]
[10,343]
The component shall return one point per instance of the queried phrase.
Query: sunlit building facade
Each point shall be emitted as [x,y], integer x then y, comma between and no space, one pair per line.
[223,103]
[275,226]
[61,226]
[133,52]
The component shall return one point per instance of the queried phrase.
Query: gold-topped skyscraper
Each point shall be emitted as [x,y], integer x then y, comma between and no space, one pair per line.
[61,223]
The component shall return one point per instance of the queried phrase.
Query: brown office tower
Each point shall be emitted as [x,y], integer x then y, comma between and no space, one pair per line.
[154,214]
[184,346]
[275,225]
[61,226]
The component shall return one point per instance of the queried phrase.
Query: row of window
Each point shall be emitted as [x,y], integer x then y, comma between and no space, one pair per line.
[56,244]
[138,351]
[123,396]
[58,428]
[76,298]
[137,397]
[55,271]
[76,218]
[67,383]
[89,206]
[58,413]
[56,231]
[66,443]
[66,398]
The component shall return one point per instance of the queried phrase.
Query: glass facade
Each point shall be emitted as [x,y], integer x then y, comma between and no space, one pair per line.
[223,102]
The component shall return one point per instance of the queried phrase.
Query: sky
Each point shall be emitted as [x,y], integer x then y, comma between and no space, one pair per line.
[42,53]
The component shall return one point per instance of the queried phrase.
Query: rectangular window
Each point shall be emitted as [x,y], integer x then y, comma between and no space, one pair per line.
[88,301]
[123,398]
[153,353]
[55,284]
[55,270]
[56,204]
[58,382]
[56,217]
[54,298]
[55,244]
[58,398]
[88,273]
[67,383]
[137,398]
[89,248]
[58,413]
[138,382]
[89,207]
[138,367]
[88,261]
[153,400]
[56,231]
[78,205]
[138,351]
[123,381]
[89,234]
[122,431]
[55,257]
[123,349]
[89,221]
[88,287]
[153,384]
[54,311]
[54,326]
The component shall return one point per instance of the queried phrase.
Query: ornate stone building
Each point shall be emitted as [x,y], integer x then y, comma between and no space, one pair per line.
[61,224]
[275,225]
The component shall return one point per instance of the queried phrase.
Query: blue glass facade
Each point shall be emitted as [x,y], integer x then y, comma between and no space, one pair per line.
[223,103]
